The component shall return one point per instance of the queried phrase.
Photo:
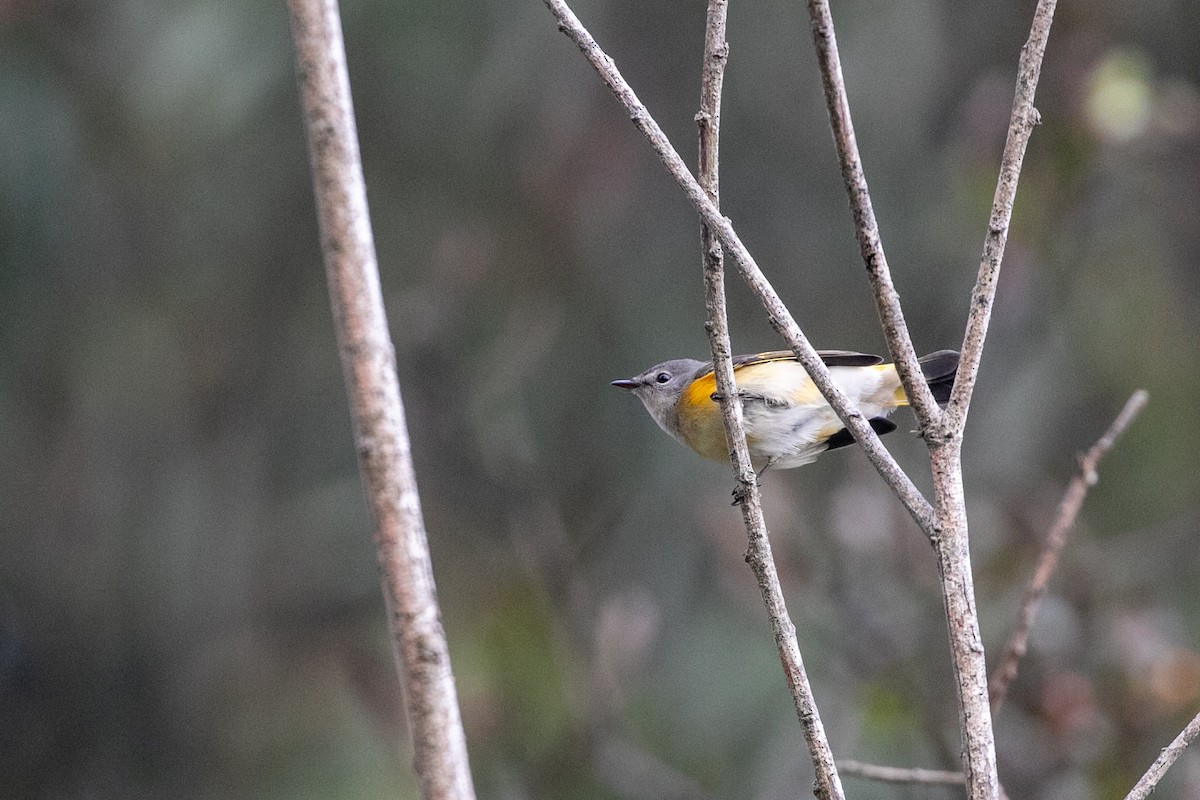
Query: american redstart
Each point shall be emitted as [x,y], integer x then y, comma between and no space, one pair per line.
[787,421]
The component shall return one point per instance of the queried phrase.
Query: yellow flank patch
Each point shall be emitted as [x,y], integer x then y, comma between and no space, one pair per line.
[806,393]
[898,398]
[700,424]
[698,394]
[829,430]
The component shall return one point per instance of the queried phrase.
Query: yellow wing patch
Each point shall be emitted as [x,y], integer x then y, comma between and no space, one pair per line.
[780,380]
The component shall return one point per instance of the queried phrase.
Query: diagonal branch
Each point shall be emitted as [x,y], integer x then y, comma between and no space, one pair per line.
[380,432]
[1145,787]
[758,554]
[887,299]
[1068,508]
[1020,128]
[781,319]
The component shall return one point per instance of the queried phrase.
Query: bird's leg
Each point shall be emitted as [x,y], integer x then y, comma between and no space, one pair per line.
[717,397]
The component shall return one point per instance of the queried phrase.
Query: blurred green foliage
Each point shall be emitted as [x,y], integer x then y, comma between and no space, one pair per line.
[188,598]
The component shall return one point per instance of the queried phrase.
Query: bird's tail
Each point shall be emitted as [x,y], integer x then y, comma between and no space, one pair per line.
[939,370]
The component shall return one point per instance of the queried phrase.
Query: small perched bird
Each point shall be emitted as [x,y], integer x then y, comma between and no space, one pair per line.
[787,421]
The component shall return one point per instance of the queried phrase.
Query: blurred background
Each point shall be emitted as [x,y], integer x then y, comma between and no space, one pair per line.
[189,603]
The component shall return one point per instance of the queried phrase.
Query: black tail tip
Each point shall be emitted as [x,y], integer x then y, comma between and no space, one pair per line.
[939,370]
[844,438]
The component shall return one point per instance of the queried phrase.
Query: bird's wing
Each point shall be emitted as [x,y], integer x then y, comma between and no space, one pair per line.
[777,378]
[832,358]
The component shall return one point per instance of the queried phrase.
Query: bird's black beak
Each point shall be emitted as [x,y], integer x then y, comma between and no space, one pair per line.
[626,383]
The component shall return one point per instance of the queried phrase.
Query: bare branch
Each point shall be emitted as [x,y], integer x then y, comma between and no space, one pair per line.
[1068,509]
[951,544]
[827,785]
[875,772]
[1145,787]
[380,432]
[780,318]
[1020,127]
[708,120]
[887,299]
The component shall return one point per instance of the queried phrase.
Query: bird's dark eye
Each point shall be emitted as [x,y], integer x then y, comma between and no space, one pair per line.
[662,377]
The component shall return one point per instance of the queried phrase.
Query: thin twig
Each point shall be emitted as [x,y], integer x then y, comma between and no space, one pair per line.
[1145,787]
[778,315]
[875,772]
[380,432]
[1068,509]
[1020,127]
[827,785]
[887,299]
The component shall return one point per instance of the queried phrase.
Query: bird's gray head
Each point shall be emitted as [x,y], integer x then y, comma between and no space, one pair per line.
[659,388]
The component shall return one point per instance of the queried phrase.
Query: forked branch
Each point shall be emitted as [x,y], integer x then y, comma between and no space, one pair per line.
[943,430]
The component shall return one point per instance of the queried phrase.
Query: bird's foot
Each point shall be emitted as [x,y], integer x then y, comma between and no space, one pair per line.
[742,491]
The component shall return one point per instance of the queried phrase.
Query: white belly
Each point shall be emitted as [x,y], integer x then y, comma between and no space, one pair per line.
[789,435]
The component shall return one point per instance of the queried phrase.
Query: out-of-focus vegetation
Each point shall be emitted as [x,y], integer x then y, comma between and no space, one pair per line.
[188,600]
